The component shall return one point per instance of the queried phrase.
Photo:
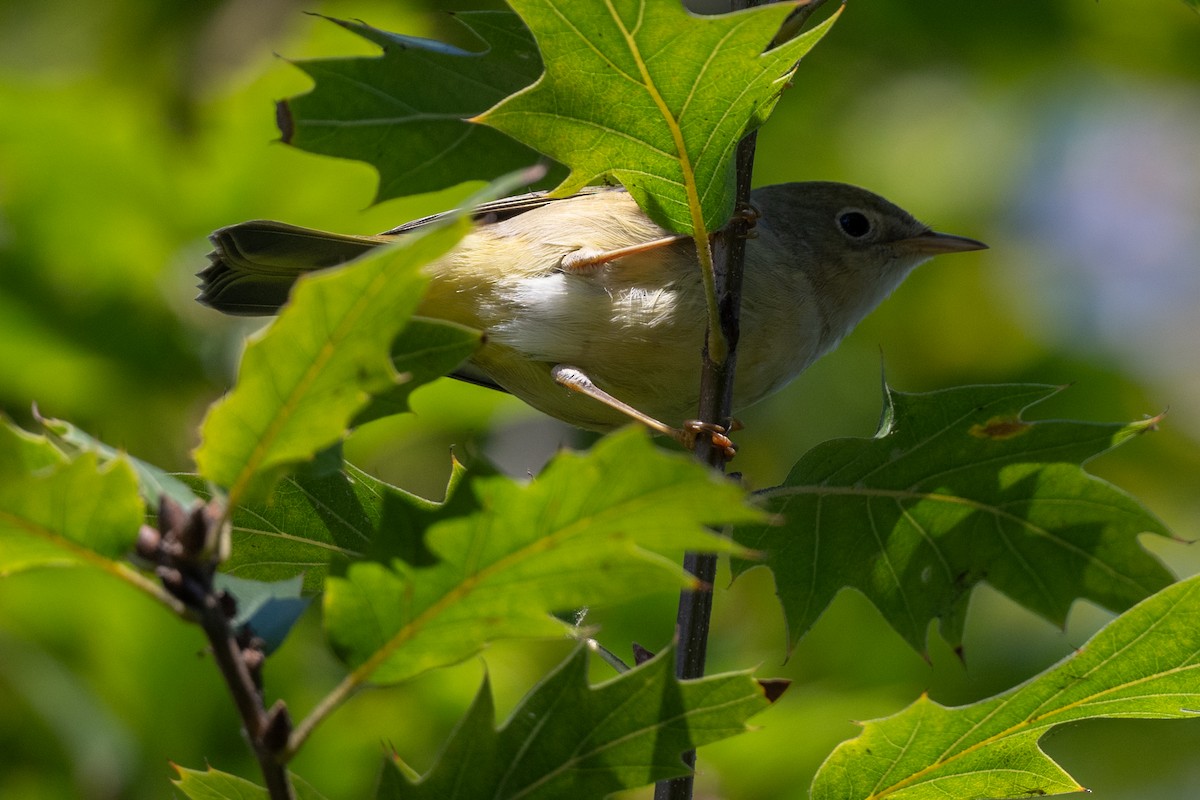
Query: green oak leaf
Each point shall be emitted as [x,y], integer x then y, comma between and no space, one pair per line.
[426,349]
[314,523]
[596,527]
[81,509]
[306,525]
[155,482]
[568,739]
[1144,665]
[212,784]
[57,510]
[306,377]
[405,112]
[652,95]
[956,488]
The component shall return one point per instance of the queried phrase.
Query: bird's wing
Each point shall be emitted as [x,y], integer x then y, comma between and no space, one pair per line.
[500,210]
[469,373]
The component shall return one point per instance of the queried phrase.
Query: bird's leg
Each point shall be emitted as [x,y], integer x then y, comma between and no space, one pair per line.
[586,259]
[576,380]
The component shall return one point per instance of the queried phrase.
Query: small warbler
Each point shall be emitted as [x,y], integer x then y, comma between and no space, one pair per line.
[588,291]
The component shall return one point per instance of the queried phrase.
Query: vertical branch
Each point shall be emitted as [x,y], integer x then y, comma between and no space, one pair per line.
[716,383]
[716,399]
[716,404]
[239,663]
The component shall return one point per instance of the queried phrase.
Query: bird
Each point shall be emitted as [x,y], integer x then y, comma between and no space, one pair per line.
[593,313]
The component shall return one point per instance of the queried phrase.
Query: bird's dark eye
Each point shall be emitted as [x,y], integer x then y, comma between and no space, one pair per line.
[854,224]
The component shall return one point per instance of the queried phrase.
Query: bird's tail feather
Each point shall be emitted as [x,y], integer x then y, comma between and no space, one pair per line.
[254,264]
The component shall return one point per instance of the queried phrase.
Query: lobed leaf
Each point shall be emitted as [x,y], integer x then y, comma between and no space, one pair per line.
[651,95]
[155,482]
[314,523]
[62,511]
[957,488]
[405,112]
[1143,665]
[426,349]
[310,374]
[591,528]
[212,784]
[305,377]
[568,739]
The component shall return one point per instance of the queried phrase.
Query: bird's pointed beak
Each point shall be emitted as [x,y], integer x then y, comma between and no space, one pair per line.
[932,243]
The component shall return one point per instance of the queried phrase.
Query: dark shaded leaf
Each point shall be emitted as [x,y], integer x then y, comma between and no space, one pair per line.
[405,112]
[957,488]
[568,739]
[312,524]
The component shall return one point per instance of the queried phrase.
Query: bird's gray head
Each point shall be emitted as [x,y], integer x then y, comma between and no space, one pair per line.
[838,220]
[847,248]
[853,246]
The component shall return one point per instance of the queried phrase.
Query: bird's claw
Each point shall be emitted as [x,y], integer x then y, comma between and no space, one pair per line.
[694,427]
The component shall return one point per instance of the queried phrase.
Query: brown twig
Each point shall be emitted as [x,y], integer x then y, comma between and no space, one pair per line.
[716,404]
[184,551]
[716,396]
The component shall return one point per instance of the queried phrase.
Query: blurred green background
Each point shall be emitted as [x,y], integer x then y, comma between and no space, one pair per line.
[1066,133]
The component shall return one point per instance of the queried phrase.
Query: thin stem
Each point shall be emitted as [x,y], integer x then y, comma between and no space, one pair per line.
[247,697]
[716,404]
[183,549]
[327,706]
[716,346]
